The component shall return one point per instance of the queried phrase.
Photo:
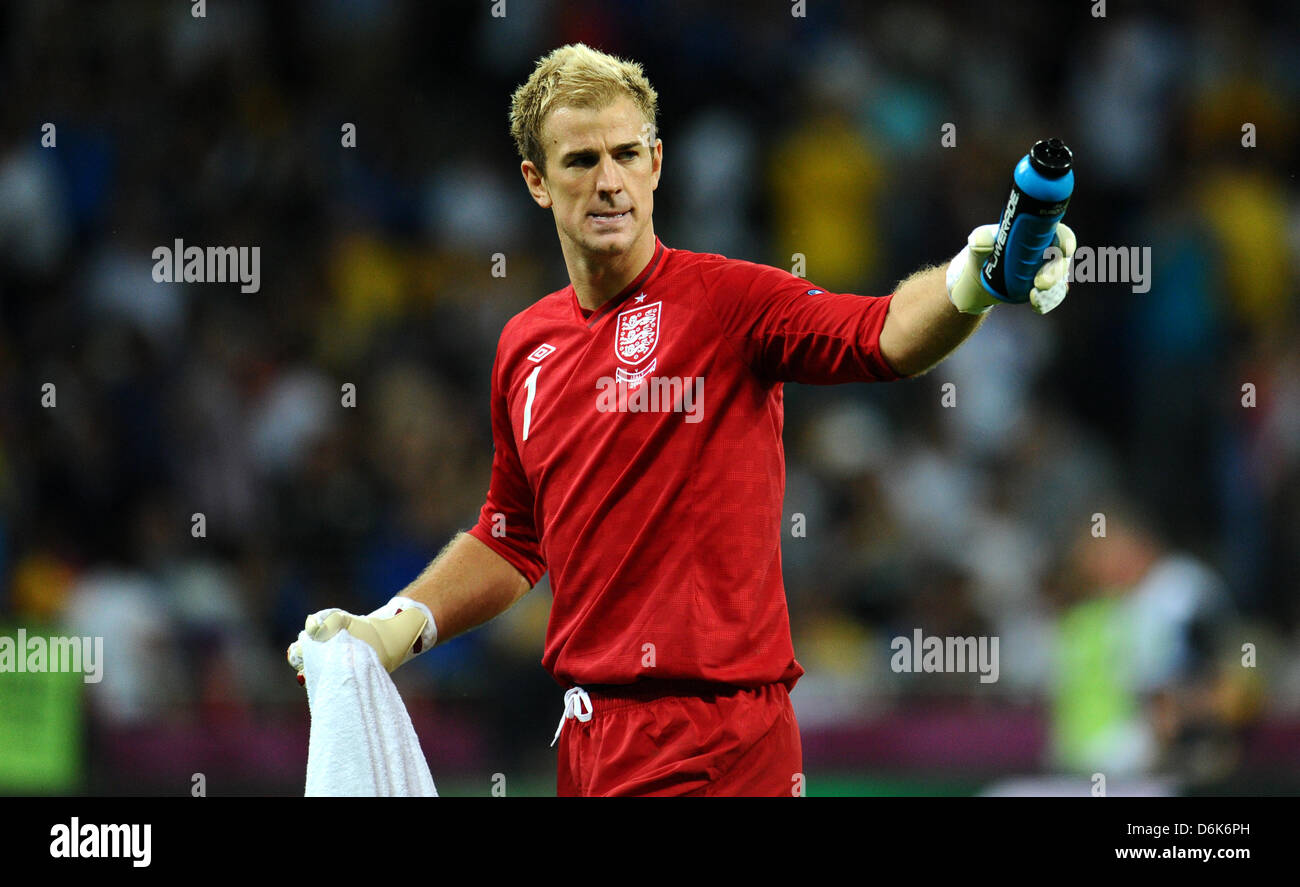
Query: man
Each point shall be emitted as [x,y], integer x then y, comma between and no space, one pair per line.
[637,419]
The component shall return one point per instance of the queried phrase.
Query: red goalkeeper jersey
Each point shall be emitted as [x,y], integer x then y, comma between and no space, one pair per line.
[638,458]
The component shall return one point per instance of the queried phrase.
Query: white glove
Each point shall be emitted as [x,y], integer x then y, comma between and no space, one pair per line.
[399,631]
[1050,283]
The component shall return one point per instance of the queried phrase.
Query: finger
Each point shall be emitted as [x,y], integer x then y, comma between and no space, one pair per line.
[1050,274]
[1044,300]
[981,239]
[294,655]
[322,629]
[1065,239]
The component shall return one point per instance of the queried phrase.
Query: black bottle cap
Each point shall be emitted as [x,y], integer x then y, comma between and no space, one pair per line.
[1051,158]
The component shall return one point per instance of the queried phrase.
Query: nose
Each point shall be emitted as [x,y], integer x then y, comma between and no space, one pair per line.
[609,180]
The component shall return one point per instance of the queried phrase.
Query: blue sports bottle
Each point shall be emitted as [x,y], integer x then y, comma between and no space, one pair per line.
[1040,190]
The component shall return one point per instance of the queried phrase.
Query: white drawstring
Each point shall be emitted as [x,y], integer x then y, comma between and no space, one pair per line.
[575,701]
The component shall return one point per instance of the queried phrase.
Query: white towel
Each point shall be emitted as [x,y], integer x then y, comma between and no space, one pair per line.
[362,743]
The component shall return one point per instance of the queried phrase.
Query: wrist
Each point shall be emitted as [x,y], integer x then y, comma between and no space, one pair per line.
[428,635]
[964,290]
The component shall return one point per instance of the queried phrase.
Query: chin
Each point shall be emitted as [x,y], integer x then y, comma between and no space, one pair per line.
[611,246]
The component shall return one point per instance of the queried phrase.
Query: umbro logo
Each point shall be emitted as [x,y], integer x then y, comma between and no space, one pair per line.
[540,352]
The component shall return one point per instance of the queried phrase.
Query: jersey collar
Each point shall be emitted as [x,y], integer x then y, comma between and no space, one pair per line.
[641,279]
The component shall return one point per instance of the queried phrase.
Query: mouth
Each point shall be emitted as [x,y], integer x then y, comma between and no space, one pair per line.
[609,218]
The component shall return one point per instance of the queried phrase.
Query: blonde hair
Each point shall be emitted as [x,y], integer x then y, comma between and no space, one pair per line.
[575,76]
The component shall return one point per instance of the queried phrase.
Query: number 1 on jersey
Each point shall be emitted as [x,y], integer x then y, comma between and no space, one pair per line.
[531,385]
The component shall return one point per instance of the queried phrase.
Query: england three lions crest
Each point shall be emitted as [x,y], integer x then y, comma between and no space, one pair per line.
[637,332]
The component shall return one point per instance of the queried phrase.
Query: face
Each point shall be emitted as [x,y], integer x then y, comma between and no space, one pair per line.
[600,177]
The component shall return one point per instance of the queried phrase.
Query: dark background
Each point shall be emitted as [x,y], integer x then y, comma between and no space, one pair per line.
[819,135]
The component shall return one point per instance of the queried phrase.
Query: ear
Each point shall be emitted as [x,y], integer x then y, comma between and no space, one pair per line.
[536,184]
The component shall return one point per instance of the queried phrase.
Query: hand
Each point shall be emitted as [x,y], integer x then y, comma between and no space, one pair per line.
[1050,283]
[398,632]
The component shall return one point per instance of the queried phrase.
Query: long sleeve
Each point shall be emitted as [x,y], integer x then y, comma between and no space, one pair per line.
[789,330]
[506,521]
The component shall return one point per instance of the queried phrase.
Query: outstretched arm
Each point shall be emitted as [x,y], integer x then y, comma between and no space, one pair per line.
[923,326]
[936,309]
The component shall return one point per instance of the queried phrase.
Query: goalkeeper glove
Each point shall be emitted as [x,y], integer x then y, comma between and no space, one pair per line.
[398,631]
[1050,283]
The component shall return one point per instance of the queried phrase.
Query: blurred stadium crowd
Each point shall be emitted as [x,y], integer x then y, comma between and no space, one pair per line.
[819,136]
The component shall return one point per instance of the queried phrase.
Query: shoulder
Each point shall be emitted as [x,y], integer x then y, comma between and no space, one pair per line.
[543,314]
[715,271]
[529,330]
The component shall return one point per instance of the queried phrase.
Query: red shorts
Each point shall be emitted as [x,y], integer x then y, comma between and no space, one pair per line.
[681,738]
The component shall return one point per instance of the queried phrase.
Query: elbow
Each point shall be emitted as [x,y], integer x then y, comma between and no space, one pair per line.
[908,365]
[902,354]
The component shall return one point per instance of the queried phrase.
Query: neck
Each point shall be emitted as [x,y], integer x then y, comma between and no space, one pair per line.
[596,278]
